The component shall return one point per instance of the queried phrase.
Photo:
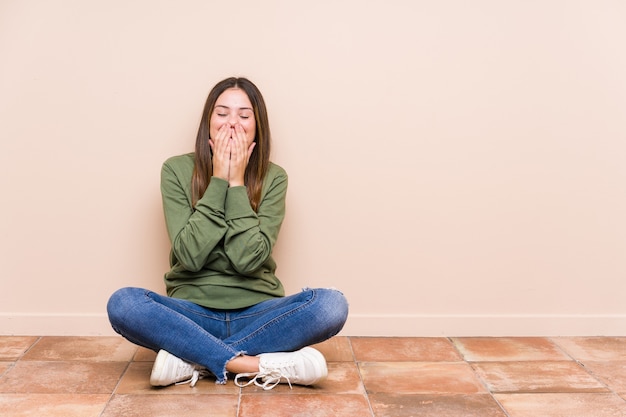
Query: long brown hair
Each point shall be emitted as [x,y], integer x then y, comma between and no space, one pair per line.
[259,160]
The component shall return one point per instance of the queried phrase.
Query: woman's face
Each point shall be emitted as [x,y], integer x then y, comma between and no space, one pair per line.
[233,107]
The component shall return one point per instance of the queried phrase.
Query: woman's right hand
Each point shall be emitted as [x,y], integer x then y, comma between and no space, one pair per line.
[220,146]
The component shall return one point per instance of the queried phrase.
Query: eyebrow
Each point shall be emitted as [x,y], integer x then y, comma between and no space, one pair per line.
[226,107]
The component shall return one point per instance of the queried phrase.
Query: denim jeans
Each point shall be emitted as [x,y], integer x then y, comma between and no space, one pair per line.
[211,338]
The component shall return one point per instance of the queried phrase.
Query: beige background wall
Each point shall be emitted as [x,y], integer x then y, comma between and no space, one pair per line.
[456,167]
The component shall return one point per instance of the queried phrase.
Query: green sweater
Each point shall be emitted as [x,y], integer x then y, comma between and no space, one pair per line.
[221,254]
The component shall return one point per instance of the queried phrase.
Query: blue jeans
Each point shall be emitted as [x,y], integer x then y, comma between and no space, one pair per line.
[211,337]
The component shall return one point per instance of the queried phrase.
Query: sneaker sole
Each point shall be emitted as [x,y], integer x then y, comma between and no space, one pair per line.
[157,369]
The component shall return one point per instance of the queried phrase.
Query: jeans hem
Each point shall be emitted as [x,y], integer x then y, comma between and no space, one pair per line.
[224,379]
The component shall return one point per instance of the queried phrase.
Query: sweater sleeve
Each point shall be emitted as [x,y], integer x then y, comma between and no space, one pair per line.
[193,233]
[251,236]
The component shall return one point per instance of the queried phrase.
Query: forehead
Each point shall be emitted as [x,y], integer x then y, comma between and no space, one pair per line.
[234,98]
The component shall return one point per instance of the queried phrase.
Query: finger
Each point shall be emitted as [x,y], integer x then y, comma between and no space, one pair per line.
[221,139]
[243,139]
[235,149]
[241,133]
[238,139]
[223,133]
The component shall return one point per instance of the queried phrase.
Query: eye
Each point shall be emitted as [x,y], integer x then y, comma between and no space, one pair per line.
[222,114]
[245,117]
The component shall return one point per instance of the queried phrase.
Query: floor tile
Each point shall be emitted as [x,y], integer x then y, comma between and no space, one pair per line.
[172,405]
[562,405]
[322,405]
[502,349]
[81,348]
[144,355]
[136,380]
[52,405]
[420,378]
[336,349]
[613,374]
[343,378]
[13,347]
[403,349]
[395,405]
[4,366]
[368,376]
[62,377]
[537,376]
[594,348]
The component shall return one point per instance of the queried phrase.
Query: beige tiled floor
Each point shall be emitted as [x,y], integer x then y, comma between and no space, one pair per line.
[381,377]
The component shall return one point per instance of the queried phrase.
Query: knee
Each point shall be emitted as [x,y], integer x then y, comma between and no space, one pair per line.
[334,308]
[120,302]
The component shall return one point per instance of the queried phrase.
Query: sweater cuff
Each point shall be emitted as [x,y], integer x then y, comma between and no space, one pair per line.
[237,203]
[215,194]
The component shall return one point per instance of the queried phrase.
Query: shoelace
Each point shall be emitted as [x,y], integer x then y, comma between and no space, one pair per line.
[196,375]
[266,380]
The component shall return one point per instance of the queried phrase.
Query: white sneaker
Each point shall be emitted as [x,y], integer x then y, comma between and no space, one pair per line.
[306,366]
[168,370]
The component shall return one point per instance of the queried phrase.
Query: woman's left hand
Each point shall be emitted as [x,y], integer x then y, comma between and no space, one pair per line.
[239,155]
